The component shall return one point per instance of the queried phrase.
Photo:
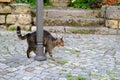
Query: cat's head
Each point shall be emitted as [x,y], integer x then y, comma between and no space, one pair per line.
[60,42]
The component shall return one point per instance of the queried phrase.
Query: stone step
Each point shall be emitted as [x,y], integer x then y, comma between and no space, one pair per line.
[71,17]
[74,21]
[74,13]
[81,30]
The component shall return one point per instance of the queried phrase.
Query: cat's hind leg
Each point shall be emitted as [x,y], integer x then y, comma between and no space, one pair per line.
[35,51]
[46,51]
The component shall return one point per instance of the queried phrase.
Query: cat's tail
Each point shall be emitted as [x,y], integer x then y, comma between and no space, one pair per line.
[19,34]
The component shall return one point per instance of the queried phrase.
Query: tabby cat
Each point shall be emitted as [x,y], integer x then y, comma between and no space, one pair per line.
[49,42]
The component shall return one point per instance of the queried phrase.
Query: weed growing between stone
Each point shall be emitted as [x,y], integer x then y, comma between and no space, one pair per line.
[70,77]
[7,48]
[106,78]
[84,31]
[12,28]
[74,31]
[62,62]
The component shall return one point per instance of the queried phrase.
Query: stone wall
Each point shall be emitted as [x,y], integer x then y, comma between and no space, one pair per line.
[111,14]
[15,15]
[21,15]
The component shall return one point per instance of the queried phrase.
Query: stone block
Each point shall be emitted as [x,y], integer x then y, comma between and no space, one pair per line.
[113,12]
[61,4]
[5,9]
[20,8]
[103,11]
[111,24]
[11,19]
[25,27]
[117,1]
[2,19]
[3,26]
[24,19]
[55,1]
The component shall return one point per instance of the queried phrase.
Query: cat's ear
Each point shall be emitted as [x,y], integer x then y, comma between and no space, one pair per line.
[61,39]
[56,38]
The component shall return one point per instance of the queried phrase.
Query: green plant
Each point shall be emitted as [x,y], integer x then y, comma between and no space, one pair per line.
[86,4]
[74,31]
[70,77]
[62,62]
[5,47]
[107,78]
[110,72]
[113,79]
[84,31]
[47,3]
[31,2]
[81,78]
[77,50]
[12,28]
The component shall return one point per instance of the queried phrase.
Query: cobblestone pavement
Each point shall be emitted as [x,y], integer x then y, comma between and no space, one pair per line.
[94,57]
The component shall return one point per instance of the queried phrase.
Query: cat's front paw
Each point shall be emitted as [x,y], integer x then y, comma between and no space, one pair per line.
[53,59]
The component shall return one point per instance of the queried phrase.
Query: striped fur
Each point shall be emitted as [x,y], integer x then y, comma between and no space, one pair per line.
[49,42]
[20,35]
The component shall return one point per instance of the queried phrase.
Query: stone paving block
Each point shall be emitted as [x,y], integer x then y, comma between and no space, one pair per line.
[3,72]
[88,64]
[29,69]
[26,78]
[13,78]
[36,78]
[13,64]
[3,66]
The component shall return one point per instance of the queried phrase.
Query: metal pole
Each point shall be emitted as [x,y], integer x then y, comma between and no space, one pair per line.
[39,19]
